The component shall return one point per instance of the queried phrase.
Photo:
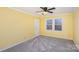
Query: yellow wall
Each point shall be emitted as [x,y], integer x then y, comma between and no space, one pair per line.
[67,32]
[14,26]
[76,27]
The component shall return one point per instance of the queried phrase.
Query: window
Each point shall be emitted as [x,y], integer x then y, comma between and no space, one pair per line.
[49,24]
[58,25]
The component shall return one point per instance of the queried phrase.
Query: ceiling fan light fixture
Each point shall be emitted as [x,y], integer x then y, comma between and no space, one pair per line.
[44,13]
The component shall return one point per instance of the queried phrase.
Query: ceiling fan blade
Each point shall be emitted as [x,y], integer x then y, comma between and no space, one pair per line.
[49,11]
[39,11]
[52,8]
[42,7]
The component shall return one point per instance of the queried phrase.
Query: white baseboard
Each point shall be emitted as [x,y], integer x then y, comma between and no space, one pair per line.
[63,37]
[2,49]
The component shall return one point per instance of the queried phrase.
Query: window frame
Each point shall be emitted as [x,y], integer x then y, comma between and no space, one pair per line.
[46,24]
[61,24]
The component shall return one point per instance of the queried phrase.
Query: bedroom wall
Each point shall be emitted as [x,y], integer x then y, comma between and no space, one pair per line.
[76,27]
[15,27]
[68,26]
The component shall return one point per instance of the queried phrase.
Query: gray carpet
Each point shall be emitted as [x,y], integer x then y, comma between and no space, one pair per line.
[45,44]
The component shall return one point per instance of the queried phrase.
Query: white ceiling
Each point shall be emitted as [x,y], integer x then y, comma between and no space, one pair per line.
[33,10]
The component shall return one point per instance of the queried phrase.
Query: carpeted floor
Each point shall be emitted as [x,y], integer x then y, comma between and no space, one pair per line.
[45,44]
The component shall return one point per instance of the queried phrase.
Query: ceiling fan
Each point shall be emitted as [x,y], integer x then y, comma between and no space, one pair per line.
[46,10]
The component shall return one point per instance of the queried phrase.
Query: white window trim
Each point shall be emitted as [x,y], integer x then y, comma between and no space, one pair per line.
[46,24]
[54,25]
